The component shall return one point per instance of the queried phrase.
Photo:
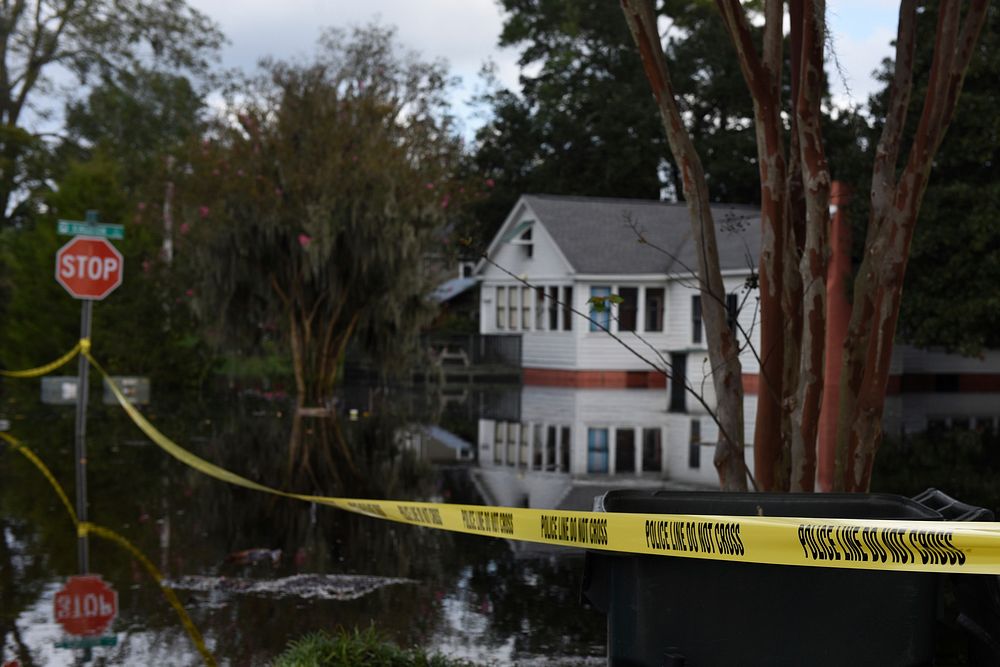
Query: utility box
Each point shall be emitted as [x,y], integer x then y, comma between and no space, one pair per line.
[687,612]
[59,390]
[136,390]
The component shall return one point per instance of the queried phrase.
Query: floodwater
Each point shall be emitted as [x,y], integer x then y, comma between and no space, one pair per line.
[256,571]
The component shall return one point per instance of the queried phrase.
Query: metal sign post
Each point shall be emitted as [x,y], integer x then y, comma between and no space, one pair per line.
[80,442]
[90,268]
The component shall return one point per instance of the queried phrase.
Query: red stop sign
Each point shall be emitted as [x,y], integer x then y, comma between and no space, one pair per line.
[89,267]
[86,605]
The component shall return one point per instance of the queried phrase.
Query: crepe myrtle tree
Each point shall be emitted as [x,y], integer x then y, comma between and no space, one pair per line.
[795,188]
[311,208]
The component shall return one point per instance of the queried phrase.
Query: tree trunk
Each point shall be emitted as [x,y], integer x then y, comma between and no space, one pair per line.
[762,73]
[723,351]
[812,266]
[895,207]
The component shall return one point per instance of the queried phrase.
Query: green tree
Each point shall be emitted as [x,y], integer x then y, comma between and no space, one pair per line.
[136,327]
[584,122]
[311,217]
[114,151]
[952,293]
[139,117]
[94,38]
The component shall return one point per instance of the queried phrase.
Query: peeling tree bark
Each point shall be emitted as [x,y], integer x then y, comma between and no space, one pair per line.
[812,265]
[895,207]
[723,352]
[762,73]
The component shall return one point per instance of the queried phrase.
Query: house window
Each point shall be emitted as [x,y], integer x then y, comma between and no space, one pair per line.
[499,436]
[526,308]
[625,450]
[564,449]
[652,450]
[540,306]
[550,448]
[732,311]
[538,448]
[696,318]
[525,242]
[694,448]
[654,309]
[567,309]
[600,319]
[522,458]
[552,307]
[501,307]
[511,444]
[513,310]
[597,450]
[628,309]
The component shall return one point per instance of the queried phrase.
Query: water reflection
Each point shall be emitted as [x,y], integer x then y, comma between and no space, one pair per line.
[193,526]
[562,446]
[474,597]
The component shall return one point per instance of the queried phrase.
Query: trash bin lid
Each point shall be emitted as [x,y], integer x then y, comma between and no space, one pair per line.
[813,505]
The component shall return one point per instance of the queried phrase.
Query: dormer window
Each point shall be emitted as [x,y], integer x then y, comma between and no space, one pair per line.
[521,236]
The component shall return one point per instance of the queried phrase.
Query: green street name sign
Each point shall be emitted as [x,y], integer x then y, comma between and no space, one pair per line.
[77,228]
[87,642]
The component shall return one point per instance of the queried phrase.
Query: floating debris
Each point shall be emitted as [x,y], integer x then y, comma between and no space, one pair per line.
[306,586]
[250,556]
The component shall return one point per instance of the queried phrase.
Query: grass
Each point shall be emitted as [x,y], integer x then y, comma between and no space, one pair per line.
[352,648]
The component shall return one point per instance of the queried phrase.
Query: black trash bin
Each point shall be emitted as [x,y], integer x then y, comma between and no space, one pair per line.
[666,611]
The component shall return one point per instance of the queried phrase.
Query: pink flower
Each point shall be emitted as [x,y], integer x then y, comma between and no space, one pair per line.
[490,182]
[430,186]
[445,201]
[189,292]
[185,228]
[147,266]
[141,206]
[305,240]
[203,211]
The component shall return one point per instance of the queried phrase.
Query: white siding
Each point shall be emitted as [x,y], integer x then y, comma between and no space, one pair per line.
[549,349]
[915,360]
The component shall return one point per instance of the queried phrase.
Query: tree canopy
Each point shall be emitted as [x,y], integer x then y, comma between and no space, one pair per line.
[308,212]
[584,122]
[90,40]
[951,295]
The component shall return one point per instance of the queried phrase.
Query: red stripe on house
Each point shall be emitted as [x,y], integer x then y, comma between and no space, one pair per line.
[550,377]
[897,384]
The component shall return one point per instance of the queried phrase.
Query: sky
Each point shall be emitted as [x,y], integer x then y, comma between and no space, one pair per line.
[465,34]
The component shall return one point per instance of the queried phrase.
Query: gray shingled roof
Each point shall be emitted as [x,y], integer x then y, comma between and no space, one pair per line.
[595,236]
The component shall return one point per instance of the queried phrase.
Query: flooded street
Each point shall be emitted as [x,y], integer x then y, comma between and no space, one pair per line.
[256,571]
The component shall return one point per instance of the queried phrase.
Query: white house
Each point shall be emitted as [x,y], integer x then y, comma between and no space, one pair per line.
[568,444]
[554,253]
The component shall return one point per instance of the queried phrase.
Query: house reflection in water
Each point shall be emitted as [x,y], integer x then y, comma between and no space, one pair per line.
[569,444]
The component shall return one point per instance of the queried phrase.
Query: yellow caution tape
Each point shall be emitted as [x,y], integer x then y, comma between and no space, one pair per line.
[912,546]
[92,529]
[84,528]
[82,346]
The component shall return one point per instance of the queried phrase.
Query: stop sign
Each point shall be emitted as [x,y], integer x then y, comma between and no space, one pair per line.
[86,605]
[89,267]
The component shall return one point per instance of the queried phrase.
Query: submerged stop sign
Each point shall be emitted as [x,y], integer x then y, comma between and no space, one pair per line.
[89,267]
[86,605]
